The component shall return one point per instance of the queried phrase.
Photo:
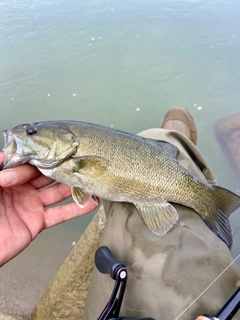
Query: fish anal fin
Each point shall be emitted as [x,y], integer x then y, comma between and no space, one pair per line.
[159,218]
[80,196]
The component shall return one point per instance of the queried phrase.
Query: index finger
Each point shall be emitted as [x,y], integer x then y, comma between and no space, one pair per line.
[17,175]
[62,213]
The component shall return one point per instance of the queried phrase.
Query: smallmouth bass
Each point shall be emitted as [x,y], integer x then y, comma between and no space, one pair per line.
[123,167]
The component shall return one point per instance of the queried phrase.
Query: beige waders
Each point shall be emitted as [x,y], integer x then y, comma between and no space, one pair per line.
[167,276]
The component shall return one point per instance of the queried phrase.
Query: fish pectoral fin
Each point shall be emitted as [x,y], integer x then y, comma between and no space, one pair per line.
[90,165]
[81,197]
[159,218]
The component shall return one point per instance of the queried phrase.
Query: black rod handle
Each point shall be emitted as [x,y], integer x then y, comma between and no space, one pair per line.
[231,307]
[106,262]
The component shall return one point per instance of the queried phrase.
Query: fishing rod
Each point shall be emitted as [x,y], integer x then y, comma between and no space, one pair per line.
[108,264]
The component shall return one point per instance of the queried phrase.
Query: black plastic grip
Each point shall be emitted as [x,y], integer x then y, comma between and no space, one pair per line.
[231,307]
[106,263]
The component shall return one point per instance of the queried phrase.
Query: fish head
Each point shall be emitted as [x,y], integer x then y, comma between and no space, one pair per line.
[43,144]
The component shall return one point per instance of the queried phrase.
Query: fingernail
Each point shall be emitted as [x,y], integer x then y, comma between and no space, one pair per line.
[8,177]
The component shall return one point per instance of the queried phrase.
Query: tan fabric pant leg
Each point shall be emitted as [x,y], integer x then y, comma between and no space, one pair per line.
[166,274]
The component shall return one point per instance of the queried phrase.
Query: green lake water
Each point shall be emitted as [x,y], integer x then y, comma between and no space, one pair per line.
[123,64]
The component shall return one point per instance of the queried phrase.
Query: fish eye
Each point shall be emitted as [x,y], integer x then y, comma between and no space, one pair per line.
[31,131]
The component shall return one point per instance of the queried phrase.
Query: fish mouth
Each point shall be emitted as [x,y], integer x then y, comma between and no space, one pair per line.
[12,157]
[16,152]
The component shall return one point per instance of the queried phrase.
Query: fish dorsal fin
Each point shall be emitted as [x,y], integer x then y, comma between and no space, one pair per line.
[159,218]
[90,165]
[168,148]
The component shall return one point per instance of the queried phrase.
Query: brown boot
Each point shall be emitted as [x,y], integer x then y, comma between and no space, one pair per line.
[180,119]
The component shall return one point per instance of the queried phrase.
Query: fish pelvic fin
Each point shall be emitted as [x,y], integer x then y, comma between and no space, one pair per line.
[159,218]
[81,197]
[226,202]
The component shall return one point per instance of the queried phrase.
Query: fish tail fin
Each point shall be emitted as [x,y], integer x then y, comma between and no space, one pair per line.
[226,202]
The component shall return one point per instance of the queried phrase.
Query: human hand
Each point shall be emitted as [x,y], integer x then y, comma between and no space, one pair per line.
[23,202]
